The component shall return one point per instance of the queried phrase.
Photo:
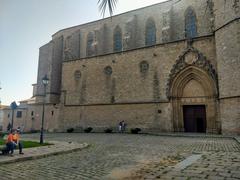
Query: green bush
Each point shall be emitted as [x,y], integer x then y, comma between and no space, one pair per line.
[27,144]
[88,130]
[34,131]
[108,130]
[135,130]
[2,134]
[70,130]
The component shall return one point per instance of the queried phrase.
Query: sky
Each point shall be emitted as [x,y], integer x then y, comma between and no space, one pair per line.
[26,25]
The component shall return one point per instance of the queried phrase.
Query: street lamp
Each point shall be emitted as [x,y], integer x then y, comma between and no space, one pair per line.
[0,98]
[45,82]
[13,106]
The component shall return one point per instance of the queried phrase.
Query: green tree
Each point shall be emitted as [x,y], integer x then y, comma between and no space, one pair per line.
[107,4]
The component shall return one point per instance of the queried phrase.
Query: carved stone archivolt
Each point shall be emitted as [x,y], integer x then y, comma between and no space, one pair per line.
[193,81]
[191,57]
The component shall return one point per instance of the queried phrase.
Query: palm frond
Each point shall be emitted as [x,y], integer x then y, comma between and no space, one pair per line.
[104,4]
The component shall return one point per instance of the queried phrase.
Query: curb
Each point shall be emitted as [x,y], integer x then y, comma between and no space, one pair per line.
[190,135]
[84,145]
[173,135]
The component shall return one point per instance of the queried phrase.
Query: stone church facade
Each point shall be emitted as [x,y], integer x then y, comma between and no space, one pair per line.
[169,67]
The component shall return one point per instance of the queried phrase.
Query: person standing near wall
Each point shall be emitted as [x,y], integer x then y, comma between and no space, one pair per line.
[120,126]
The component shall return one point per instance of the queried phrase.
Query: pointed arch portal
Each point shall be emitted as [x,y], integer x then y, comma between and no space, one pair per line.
[192,91]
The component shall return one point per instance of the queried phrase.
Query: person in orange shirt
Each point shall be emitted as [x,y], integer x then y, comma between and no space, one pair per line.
[16,140]
[10,143]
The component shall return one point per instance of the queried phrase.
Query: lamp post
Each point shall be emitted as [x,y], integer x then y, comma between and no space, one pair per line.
[45,82]
[0,98]
[13,106]
[0,89]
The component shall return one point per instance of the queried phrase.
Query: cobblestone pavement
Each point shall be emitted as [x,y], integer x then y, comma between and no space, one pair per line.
[55,148]
[126,156]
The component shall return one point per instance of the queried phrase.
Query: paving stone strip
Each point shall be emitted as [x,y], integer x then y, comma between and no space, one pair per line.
[55,148]
[237,138]
[187,162]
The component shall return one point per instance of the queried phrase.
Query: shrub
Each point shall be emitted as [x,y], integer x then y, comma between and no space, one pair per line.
[34,131]
[70,130]
[88,130]
[108,130]
[135,130]
[2,134]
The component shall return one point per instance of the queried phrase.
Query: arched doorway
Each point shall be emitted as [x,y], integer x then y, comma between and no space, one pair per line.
[192,91]
[194,118]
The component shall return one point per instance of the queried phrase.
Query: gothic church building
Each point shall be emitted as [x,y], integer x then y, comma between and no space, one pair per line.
[169,67]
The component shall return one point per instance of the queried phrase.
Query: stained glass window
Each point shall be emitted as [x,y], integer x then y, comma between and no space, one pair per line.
[117,39]
[150,36]
[190,23]
[90,40]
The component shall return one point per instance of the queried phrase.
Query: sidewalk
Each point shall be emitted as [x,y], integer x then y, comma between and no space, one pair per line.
[44,151]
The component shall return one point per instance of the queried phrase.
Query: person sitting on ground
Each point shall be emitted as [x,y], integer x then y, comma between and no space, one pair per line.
[16,139]
[10,143]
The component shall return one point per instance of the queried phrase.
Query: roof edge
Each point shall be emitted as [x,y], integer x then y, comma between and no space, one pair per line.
[168,1]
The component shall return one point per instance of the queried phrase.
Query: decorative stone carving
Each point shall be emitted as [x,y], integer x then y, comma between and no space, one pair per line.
[68,55]
[129,39]
[108,70]
[72,47]
[166,29]
[210,8]
[236,6]
[77,75]
[190,57]
[144,66]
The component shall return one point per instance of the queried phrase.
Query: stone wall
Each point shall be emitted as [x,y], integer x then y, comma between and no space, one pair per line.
[228,48]
[127,81]
[17,121]
[145,116]
[35,117]
[227,35]
[56,70]
[50,64]
[230,116]
[32,118]
[44,66]
[99,88]
[71,43]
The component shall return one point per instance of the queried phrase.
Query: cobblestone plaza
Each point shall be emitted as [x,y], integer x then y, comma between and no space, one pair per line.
[126,156]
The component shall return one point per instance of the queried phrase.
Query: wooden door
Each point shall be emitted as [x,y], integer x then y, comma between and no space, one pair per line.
[194,118]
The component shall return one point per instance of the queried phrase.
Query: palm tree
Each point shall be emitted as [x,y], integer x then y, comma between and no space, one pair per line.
[104,4]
